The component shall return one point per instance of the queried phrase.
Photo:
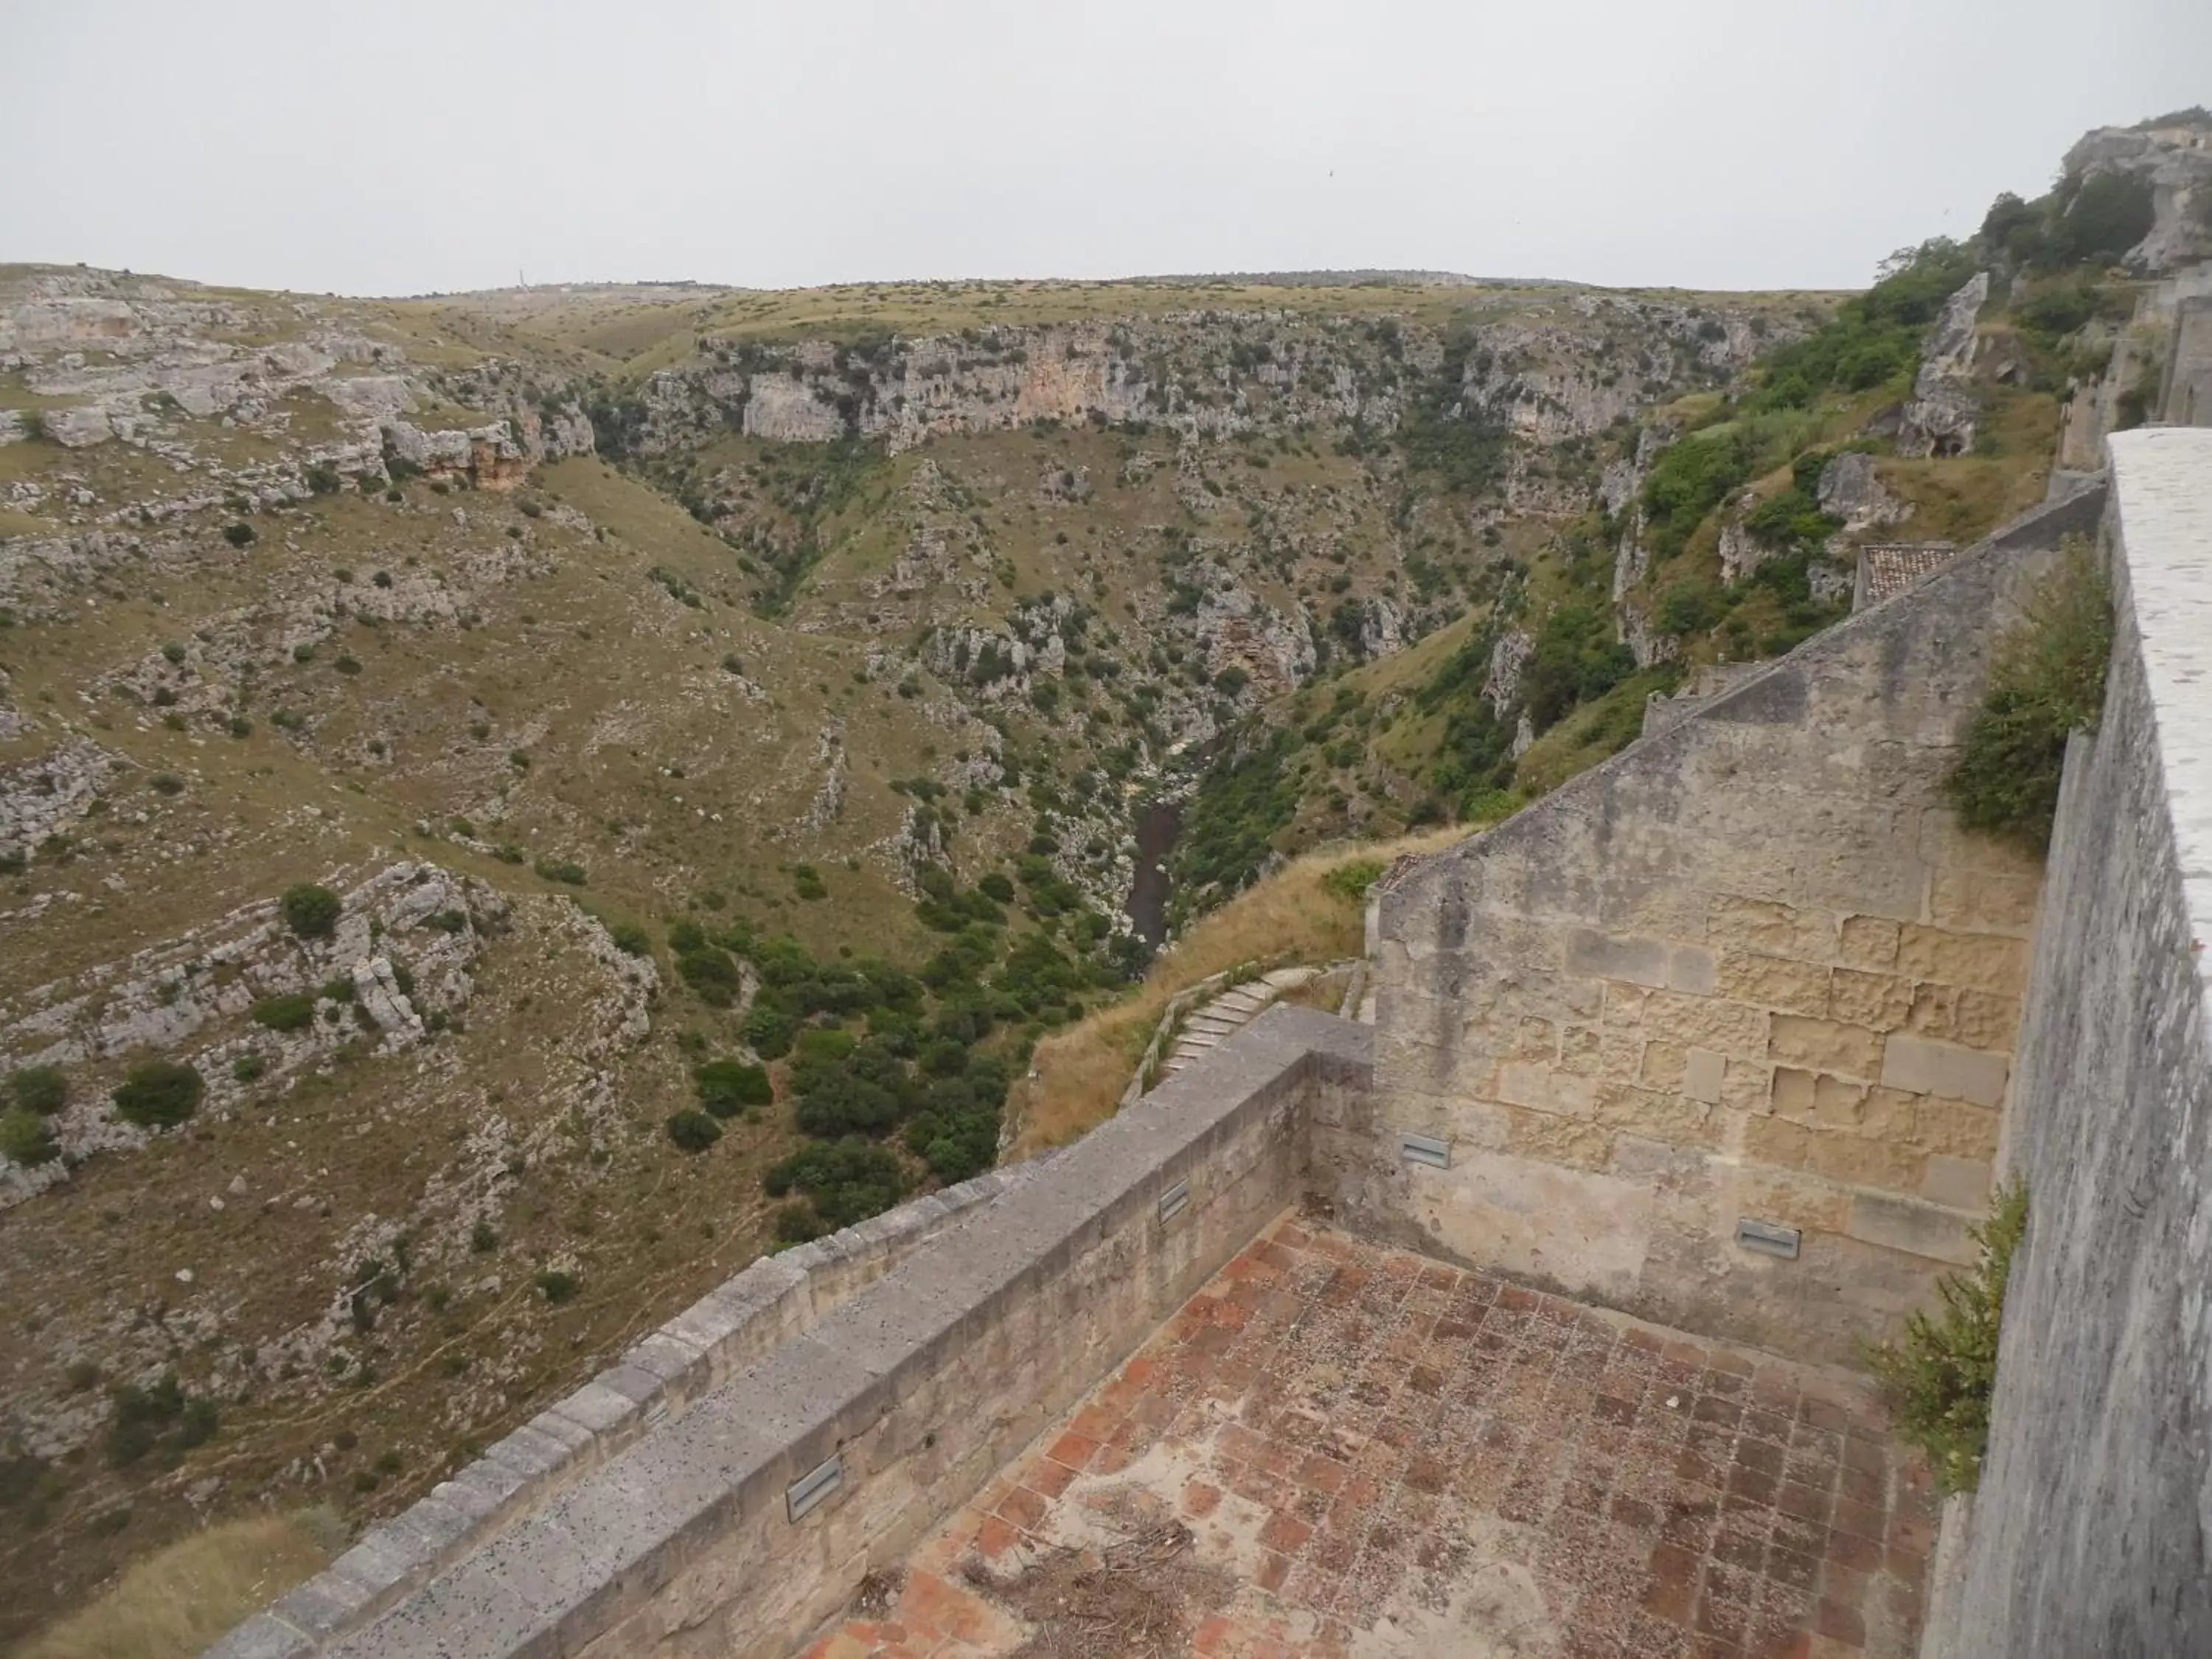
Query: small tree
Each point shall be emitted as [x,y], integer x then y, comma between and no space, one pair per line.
[311,911]
[1940,1374]
[2047,680]
[159,1095]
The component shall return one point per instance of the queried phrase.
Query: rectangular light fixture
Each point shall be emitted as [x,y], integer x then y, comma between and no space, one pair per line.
[813,1487]
[1173,1201]
[1768,1238]
[1426,1149]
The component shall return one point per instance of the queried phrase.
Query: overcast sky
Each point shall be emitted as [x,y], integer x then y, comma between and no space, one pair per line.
[415,145]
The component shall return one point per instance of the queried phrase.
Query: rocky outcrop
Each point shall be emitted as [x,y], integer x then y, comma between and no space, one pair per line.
[2176,161]
[50,796]
[1501,688]
[1939,420]
[1851,490]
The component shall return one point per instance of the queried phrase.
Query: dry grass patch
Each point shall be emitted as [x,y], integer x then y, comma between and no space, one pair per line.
[1291,917]
[182,1599]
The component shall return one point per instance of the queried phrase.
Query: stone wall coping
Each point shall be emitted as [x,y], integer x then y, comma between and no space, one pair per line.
[2162,580]
[663,1371]
[512,1557]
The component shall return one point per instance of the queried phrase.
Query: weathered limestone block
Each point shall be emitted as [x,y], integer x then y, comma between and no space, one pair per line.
[1909,1225]
[1775,982]
[1727,1028]
[1880,1002]
[1920,1066]
[1954,1128]
[1985,901]
[1850,1159]
[1825,1045]
[1867,942]
[1771,929]
[1542,1088]
[1704,1075]
[1660,1114]
[1980,961]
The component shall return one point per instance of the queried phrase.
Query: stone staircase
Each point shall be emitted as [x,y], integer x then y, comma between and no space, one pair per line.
[1230,1012]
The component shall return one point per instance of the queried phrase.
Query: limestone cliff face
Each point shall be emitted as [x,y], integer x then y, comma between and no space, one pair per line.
[1567,369]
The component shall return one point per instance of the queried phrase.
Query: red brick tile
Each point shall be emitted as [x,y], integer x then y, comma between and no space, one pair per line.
[1023,1508]
[1047,1478]
[1850,1549]
[995,1537]
[1275,1570]
[1199,1498]
[1284,1532]
[1841,1624]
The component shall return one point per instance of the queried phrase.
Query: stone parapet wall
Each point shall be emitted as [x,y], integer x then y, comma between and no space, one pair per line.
[2088,1533]
[775,1299]
[921,1385]
[1748,969]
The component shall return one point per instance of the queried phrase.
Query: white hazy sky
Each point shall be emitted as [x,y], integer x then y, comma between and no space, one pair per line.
[413,145]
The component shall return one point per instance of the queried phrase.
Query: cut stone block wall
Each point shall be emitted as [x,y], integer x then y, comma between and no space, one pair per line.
[1748,968]
[922,1384]
[2089,1533]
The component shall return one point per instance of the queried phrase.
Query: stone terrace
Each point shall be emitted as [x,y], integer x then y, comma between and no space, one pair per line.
[1377,1456]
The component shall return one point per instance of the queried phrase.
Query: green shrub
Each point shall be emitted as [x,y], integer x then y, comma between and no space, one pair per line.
[41,1089]
[558,1287]
[310,911]
[845,1181]
[291,1011]
[711,973]
[770,1030]
[1351,881]
[163,1418]
[238,535]
[248,1067]
[484,1238]
[726,1087]
[159,1095]
[806,882]
[692,1130]
[630,939]
[1940,1372]
[564,871]
[167,783]
[2047,680]
[25,1137]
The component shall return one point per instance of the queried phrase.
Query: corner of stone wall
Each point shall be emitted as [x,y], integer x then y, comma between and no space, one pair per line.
[1748,971]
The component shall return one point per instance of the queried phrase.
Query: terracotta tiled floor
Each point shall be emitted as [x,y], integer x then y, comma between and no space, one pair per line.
[1377,1456]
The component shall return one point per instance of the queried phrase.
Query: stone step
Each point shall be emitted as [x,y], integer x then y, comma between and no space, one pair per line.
[1240,1000]
[1213,1025]
[1289,979]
